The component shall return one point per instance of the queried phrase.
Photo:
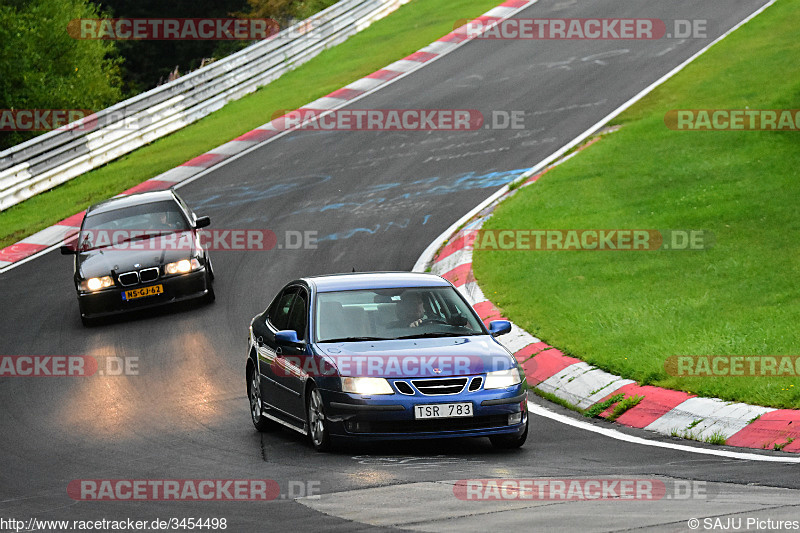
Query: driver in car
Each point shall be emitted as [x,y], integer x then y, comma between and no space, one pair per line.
[164,219]
[411,311]
[161,221]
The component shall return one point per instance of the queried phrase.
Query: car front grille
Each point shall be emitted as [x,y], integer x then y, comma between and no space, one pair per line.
[440,386]
[426,426]
[403,387]
[145,275]
[128,278]
[475,384]
[148,274]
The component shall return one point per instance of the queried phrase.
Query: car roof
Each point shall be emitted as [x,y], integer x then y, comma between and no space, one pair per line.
[131,199]
[375,280]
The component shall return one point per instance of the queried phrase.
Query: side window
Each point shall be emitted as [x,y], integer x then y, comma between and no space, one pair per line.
[298,317]
[279,312]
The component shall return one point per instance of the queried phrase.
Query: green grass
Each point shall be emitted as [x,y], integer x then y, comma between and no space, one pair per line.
[405,31]
[717,438]
[550,397]
[627,312]
[779,447]
[694,423]
[599,407]
[624,405]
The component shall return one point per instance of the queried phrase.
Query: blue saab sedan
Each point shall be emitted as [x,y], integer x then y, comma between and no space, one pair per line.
[382,356]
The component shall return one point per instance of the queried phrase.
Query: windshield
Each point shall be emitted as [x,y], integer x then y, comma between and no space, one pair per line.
[388,314]
[128,223]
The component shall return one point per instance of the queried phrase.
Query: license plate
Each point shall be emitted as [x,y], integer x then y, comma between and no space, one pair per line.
[152,290]
[443,410]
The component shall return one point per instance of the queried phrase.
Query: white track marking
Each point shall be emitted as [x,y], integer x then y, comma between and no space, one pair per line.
[618,435]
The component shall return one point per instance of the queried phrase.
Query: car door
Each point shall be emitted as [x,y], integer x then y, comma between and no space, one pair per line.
[275,319]
[292,362]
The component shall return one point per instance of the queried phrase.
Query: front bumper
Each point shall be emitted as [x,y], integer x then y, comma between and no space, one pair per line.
[176,289]
[391,417]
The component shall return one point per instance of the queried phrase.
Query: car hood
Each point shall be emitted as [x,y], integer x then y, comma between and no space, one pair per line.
[451,356]
[141,254]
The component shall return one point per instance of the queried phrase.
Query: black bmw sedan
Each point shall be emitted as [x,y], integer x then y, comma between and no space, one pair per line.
[139,251]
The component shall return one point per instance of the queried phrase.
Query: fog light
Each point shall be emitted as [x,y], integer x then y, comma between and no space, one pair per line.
[514,418]
[357,427]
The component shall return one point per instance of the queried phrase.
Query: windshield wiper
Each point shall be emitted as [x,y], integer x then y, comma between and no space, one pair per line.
[356,339]
[439,334]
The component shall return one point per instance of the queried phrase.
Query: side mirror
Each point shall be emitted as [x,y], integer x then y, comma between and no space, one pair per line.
[66,249]
[499,327]
[287,337]
[202,222]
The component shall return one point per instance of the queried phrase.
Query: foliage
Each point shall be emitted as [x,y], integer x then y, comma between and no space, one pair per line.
[42,67]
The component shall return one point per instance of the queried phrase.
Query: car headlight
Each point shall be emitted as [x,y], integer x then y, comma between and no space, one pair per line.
[95,284]
[500,379]
[182,267]
[368,386]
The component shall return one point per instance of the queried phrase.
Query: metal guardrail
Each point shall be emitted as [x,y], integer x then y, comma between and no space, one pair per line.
[61,155]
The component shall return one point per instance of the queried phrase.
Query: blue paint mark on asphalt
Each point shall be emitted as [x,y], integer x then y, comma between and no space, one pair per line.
[349,233]
[458,183]
[455,184]
[384,187]
[403,224]
[373,197]
[237,195]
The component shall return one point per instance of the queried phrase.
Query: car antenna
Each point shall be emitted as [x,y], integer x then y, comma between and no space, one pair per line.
[354,269]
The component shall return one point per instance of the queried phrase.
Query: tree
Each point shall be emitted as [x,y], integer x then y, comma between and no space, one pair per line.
[285,11]
[150,63]
[42,67]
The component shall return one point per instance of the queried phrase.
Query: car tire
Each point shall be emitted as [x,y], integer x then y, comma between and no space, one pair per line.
[261,423]
[315,418]
[87,322]
[510,442]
